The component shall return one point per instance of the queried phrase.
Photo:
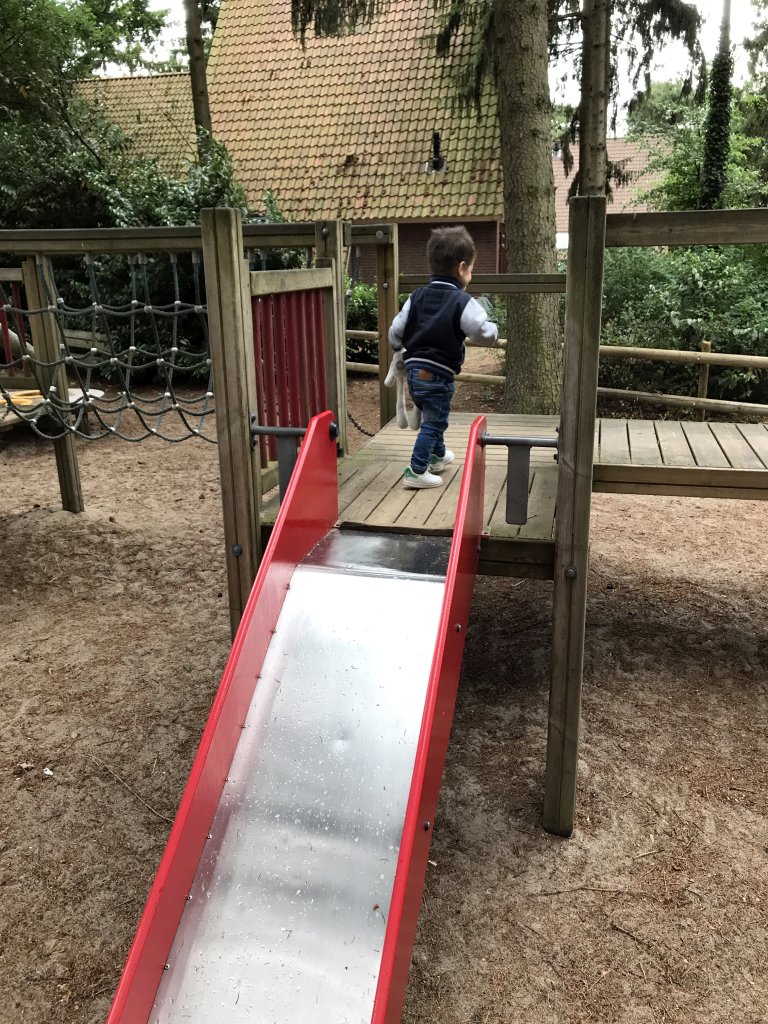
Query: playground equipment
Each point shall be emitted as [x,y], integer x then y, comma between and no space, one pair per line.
[291,883]
[255,321]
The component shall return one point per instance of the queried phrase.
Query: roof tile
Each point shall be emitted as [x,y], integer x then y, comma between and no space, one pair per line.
[293,117]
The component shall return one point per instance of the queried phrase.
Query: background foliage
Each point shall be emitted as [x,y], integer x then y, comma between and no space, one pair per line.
[677,298]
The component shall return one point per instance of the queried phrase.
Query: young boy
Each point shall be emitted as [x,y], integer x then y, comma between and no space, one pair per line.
[431,328]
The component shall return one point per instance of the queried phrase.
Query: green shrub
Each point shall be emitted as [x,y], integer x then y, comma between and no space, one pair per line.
[361,305]
[677,298]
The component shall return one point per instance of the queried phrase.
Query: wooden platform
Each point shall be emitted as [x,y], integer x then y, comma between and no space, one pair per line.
[710,460]
[631,456]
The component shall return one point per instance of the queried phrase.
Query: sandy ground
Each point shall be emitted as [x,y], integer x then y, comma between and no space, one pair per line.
[114,634]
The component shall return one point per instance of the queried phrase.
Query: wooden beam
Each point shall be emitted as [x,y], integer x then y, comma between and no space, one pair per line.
[132,240]
[669,355]
[44,331]
[697,227]
[329,251]
[388,306]
[498,284]
[11,274]
[270,282]
[687,402]
[371,234]
[231,339]
[684,477]
[574,493]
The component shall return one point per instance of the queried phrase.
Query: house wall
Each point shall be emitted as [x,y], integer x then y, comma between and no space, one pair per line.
[412,245]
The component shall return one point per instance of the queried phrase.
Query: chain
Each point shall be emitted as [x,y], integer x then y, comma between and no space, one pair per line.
[359,426]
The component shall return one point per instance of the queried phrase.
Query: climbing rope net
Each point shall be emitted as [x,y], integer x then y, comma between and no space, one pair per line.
[133,369]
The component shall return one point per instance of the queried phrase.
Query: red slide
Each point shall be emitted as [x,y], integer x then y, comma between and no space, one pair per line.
[290,887]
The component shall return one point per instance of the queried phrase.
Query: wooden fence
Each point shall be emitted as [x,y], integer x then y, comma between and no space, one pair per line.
[703,359]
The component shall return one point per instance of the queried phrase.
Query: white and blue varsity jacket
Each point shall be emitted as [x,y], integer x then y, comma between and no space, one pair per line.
[433,323]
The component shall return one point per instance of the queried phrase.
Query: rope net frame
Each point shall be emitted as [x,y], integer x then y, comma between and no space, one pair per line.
[108,366]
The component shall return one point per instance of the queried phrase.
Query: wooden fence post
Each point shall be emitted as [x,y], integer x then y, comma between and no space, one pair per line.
[329,252]
[701,414]
[584,289]
[388,305]
[39,286]
[230,326]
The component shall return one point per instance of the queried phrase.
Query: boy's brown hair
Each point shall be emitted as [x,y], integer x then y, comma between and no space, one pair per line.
[448,247]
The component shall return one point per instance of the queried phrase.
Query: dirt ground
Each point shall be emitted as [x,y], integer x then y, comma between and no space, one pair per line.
[114,634]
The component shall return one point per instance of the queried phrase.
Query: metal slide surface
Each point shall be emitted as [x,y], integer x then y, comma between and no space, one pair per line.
[290,887]
[288,910]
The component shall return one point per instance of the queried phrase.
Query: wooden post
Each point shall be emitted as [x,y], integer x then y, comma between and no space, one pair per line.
[388,304]
[701,414]
[39,286]
[574,494]
[230,326]
[329,252]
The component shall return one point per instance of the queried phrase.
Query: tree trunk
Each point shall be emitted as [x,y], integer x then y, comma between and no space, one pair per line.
[522,87]
[717,129]
[197,75]
[593,113]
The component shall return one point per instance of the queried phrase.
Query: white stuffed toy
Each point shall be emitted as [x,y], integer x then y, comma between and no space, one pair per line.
[397,377]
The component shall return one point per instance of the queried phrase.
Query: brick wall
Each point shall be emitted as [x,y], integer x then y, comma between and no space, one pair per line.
[413,248]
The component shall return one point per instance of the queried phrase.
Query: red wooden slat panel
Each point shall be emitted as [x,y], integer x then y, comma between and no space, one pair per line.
[289,351]
[267,306]
[305,355]
[318,353]
[258,357]
[292,360]
[281,370]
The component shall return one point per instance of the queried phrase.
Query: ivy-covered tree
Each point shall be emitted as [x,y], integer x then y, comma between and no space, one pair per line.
[677,152]
[717,130]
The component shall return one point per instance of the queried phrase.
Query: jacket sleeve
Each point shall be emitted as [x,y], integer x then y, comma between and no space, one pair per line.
[397,329]
[476,325]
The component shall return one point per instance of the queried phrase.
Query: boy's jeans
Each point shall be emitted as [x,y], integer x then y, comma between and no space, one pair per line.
[432,394]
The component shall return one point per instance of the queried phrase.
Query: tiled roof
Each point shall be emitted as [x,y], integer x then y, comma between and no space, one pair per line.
[155,111]
[342,128]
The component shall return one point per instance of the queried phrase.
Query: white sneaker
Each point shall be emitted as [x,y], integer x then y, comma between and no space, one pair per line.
[438,465]
[418,481]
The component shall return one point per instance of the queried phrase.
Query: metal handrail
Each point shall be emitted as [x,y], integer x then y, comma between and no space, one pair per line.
[518,470]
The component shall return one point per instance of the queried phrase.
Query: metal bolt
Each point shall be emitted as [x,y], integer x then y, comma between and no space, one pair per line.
[570,572]
[555,457]
[166,967]
[457,627]
[237,550]
[427,826]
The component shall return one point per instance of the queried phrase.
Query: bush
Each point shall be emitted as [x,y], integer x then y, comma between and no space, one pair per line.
[677,298]
[362,315]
